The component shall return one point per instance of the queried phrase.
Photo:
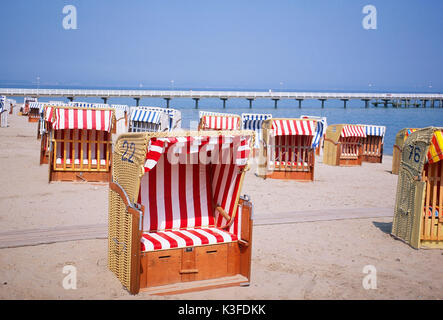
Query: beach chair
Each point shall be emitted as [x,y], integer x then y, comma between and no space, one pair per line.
[146,119]
[288,150]
[372,145]
[177,222]
[400,139]
[343,145]
[254,121]
[219,121]
[3,112]
[122,117]
[323,125]
[34,111]
[26,105]
[418,218]
[80,143]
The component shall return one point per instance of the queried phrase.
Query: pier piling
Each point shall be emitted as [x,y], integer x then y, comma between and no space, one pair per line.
[167,102]
[275,103]
[299,103]
[196,102]
[137,101]
[322,103]
[224,102]
[344,102]
[250,103]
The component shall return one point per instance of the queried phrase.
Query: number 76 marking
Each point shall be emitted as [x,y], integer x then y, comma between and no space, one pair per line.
[416,152]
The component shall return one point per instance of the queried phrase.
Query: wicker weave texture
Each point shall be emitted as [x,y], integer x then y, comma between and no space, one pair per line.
[410,189]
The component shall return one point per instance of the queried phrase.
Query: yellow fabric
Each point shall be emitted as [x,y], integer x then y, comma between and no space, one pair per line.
[435,152]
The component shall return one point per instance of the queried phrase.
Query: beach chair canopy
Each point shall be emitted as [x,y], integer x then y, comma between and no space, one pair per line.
[322,124]
[351,130]
[144,115]
[293,127]
[88,104]
[186,177]
[202,113]
[435,152]
[220,122]
[29,99]
[175,116]
[254,121]
[79,118]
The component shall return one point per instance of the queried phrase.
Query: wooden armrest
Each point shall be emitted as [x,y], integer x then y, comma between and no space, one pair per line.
[130,207]
[223,213]
[336,143]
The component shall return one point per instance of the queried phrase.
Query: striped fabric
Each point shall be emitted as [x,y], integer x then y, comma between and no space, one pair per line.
[372,130]
[36,105]
[180,195]
[211,122]
[409,131]
[88,105]
[353,131]
[202,113]
[194,145]
[185,238]
[143,115]
[435,152]
[80,119]
[173,114]
[293,127]
[254,121]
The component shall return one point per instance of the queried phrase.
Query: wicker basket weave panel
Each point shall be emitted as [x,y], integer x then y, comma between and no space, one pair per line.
[410,189]
[128,159]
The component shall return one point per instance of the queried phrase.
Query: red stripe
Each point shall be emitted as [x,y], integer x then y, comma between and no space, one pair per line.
[167,194]
[188,240]
[153,213]
[66,114]
[215,234]
[102,117]
[196,194]
[94,120]
[157,244]
[172,242]
[203,239]
[209,195]
[182,195]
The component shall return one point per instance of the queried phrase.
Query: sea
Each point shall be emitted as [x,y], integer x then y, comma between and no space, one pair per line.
[355,112]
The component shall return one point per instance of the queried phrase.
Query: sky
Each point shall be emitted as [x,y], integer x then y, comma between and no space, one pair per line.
[283,45]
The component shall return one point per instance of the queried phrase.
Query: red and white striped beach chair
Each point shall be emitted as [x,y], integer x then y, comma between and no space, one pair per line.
[343,145]
[215,122]
[289,152]
[176,219]
[81,143]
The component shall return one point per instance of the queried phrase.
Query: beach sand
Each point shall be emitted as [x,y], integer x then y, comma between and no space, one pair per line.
[291,260]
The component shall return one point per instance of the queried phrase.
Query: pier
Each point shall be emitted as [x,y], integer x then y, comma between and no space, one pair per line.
[384,100]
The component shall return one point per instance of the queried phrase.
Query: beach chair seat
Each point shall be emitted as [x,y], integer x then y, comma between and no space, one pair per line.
[192,237]
[188,222]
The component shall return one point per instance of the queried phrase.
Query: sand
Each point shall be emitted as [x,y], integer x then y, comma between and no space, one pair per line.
[301,260]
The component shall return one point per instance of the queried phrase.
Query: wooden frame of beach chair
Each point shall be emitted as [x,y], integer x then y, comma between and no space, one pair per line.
[288,152]
[400,139]
[372,145]
[343,145]
[180,225]
[80,143]
[216,122]
[146,119]
[418,218]
[321,139]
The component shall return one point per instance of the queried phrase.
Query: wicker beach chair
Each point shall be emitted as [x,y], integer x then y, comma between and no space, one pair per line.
[343,145]
[372,145]
[219,121]
[288,149]
[400,139]
[418,218]
[34,111]
[26,105]
[146,119]
[177,222]
[175,117]
[80,143]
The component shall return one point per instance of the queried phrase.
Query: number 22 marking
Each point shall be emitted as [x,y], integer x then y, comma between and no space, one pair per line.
[130,147]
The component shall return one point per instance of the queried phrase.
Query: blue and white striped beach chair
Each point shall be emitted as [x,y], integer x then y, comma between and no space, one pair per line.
[372,145]
[145,119]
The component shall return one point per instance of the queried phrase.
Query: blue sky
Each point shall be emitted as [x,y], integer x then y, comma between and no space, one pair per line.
[287,45]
